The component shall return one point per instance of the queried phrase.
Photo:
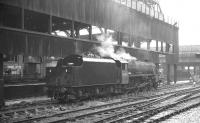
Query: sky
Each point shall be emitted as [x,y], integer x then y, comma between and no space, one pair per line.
[186,12]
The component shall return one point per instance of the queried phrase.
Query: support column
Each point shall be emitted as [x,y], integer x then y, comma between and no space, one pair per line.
[161,46]
[75,34]
[119,38]
[1,82]
[90,32]
[105,30]
[130,42]
[195,70]
[175,73]
[77,47]
[188,69]
[167,47]
[72,31]
[148,44]
[173,48]
[168,74]
[156,45]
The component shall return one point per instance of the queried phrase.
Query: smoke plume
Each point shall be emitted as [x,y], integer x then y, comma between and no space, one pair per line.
[107,49]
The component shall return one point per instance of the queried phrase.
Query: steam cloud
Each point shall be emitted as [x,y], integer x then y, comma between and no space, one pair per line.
[107,49]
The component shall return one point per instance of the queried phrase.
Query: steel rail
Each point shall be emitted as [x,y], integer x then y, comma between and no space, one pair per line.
[133,110]
[116,108]
[142,116]
[97,107]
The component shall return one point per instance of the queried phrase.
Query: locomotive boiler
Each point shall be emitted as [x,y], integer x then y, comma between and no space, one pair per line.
[77,77]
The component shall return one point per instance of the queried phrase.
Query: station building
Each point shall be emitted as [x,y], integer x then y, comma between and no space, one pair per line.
[35,33]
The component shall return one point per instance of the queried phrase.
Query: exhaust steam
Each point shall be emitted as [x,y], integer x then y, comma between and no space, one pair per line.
[107,49]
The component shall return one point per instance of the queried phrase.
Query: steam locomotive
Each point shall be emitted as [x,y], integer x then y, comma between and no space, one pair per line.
[76,77]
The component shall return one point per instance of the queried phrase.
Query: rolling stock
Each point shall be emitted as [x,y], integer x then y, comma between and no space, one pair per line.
[75,77]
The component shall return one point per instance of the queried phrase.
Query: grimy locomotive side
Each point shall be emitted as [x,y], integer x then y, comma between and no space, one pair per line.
[77,77]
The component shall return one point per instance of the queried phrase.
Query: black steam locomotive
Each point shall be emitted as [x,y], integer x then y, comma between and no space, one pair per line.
[75,77]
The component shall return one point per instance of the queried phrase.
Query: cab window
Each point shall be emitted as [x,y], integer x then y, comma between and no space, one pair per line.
[124,66]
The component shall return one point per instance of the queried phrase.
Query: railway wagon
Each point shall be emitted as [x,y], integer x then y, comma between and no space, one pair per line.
[75,77]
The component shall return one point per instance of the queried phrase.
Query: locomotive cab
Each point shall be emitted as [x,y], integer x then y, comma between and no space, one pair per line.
[123,65]
[124,70]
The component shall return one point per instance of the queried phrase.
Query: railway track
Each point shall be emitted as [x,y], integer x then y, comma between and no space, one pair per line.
[145,115]
[139,114]
[32,104]
[36,108]
[37,118]
[105,109]
[170,113]
[36,113]
[39,104]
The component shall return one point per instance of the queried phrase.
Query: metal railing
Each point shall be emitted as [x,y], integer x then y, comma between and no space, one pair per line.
[141,7]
